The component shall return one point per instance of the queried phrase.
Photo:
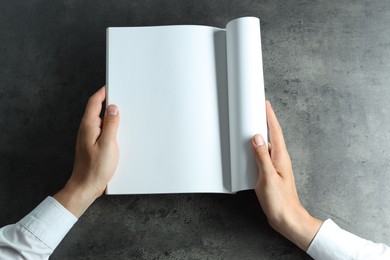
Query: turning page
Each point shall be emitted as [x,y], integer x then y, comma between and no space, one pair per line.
[170,85]
[247,115]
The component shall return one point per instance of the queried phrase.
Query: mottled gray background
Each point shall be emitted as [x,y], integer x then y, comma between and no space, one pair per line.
[327,72]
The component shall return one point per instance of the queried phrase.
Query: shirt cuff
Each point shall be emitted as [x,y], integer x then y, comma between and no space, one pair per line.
[49,222]
[332,242]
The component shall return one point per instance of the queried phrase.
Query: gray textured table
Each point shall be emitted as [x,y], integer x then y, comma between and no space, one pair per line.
[327,73]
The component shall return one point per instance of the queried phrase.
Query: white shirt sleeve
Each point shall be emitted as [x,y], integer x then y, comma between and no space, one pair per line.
[332,242]
[37,234]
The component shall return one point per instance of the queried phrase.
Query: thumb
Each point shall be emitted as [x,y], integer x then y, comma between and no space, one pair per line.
[110,124]
[261,152]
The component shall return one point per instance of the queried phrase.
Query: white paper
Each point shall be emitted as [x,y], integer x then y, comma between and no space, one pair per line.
[190,99]
[246,98]
[164,81]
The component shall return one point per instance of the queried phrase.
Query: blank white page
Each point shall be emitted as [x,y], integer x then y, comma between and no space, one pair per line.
[247,114]
[164,81]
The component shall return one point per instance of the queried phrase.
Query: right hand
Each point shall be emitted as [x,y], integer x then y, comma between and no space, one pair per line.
[275,187]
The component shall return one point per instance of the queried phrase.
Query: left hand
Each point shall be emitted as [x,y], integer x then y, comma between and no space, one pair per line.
[97,156]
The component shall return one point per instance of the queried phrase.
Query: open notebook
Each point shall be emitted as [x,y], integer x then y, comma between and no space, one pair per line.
[190,99]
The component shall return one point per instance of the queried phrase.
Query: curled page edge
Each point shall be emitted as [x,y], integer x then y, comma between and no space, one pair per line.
[247,115]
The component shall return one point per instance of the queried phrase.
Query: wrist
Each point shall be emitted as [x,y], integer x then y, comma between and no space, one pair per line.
[76,198]
[299,227]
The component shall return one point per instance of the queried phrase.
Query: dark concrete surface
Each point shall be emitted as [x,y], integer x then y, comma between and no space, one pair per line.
[327,73]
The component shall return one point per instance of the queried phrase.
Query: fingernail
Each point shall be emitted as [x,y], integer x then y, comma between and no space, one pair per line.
[258,140]
[112,110]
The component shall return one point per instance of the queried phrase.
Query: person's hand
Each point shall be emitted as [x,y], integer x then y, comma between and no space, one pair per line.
[96,159]
[275,187]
